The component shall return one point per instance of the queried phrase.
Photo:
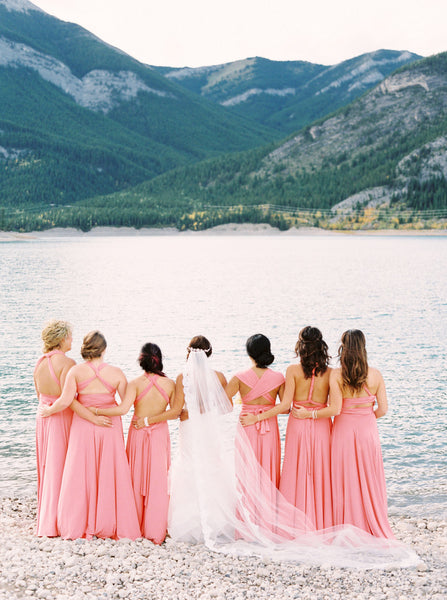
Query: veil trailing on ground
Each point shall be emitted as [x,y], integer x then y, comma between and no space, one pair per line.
[221,496]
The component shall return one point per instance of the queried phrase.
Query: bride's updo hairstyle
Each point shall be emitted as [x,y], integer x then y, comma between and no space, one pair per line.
[200,342]
[93,345]
[258,348]
[54,333]
[150,359]
[353,359]
[312,351]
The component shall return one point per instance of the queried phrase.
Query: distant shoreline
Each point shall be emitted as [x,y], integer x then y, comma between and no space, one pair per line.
[227,229]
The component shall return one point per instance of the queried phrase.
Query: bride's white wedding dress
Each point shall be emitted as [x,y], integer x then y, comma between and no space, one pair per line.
[221,497]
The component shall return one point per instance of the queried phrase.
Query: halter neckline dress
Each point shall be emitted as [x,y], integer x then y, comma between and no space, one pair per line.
[52,435]
[358,477]
[306,471]
[149,454]
[96,496]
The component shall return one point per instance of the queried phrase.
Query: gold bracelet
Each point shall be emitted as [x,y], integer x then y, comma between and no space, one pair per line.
[96,409]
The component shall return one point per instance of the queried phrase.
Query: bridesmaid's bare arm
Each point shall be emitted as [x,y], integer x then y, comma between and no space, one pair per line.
[382,400]
[232,388]
[282,407]
[120,409]
[176,405]
[334,405]
[180,395]
[122,385]
[84,412]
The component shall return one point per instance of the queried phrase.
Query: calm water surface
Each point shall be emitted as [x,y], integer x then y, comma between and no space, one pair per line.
[168,288]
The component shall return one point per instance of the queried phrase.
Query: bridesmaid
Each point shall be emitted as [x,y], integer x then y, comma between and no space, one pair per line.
[52,434]
[96,497]
[358,479]
[259,387]
[306,473]
[148,442]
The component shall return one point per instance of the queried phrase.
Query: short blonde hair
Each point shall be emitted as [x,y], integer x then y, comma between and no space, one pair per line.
[54,333]
[93,345]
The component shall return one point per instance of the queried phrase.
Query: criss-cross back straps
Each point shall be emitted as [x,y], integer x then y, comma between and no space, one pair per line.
[368,392]
[310,394]
[311,389]
[152,383]
[48,355]
[260,386]
[362,399]
[309,400]
[83,384]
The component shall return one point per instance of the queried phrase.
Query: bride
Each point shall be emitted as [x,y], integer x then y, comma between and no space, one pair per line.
[221,496]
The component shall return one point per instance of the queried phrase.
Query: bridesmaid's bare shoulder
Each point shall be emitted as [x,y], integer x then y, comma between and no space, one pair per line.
[327,374]
[335,375]
[374,376]
[295,370]
[113,370]
[167,384]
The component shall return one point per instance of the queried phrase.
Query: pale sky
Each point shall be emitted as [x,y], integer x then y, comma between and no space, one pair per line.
[195,33]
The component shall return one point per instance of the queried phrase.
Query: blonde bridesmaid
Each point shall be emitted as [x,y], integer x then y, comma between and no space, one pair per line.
[52,434]
[148,443]
[306,473]
[96,497]
[358,478]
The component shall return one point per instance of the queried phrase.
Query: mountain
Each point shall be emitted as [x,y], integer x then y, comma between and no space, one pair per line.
[387,148]
[287,95]
[79,117]
[107,140]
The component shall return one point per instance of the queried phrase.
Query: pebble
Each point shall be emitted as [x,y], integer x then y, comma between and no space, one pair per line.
[56,569]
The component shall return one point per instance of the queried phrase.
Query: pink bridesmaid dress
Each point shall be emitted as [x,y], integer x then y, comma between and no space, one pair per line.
[263,435]
[306,472]
[358,478]
[96,496]
[149,455]
[51,447]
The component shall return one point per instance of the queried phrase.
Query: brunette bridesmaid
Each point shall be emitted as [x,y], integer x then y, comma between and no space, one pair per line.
[52,434]
[259,388]
[358,479]
[148,442]
[306,473]
[96,497]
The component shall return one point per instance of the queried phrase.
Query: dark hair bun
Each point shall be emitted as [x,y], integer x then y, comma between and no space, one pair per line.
[150,359]
[258,348]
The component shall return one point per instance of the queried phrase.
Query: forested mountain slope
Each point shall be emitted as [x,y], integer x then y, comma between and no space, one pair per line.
[79,117]
[288,95]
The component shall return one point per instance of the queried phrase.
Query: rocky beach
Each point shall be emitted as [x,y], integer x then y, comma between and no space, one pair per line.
[53,568]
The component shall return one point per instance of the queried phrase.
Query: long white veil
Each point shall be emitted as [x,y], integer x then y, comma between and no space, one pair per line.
[221,496]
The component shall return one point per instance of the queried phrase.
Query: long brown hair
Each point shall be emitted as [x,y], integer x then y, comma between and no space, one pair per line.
[353,359]
[312,351]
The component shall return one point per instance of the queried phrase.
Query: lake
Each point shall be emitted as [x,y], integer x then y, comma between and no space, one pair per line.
[168,288]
